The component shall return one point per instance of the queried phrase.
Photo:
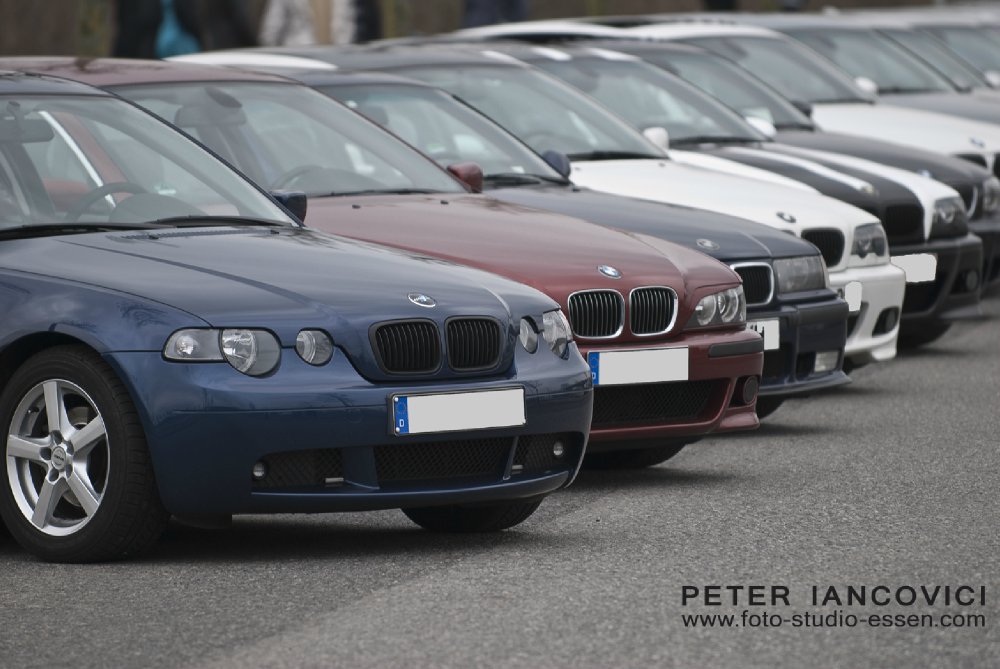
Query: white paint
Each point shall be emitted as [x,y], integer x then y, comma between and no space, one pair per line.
[853,292]
[450,412]
[251,59]
[642,366]
[770,330]
[919,267]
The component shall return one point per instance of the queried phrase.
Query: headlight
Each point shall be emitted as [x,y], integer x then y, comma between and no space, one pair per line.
[253,352]
[991,195]
[528,336]
[950,219]
[868,239]
[722,308]
[314,346]
[794,275]
[556,331]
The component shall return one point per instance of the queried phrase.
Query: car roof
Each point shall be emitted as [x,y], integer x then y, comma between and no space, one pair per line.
[16,81]
[117,72]
[681,29]
[341,78]
[392,56]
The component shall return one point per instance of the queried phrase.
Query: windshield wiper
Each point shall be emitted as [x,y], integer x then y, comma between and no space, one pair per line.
[614,155]
[907,90]
[522,179]
[55,229]
[385,191]
[794,126]
[205,221]
[713,139]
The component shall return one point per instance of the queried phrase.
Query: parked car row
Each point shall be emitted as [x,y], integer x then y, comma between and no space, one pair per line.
[441,275]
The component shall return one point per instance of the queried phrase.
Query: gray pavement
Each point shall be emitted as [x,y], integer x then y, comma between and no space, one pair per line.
[892,480]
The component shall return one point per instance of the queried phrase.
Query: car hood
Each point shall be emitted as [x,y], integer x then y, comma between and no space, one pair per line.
[283,280]
[953,104]
[554,253]
[725,238]
[912,127]
[790,209]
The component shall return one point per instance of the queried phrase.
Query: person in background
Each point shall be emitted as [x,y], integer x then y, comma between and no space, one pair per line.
[304,22]
[488,12]
[154,29]
[222,24]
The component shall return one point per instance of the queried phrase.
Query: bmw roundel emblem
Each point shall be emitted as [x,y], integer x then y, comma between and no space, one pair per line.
[609,271]
[977,142]
[422,300]
[787,218]
[708,244]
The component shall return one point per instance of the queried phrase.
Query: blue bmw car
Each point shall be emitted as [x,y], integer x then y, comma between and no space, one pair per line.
[174,343]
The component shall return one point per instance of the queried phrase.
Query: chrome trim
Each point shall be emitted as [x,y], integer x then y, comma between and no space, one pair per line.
[975,201]
[569,311]
[770,273]
[673,317]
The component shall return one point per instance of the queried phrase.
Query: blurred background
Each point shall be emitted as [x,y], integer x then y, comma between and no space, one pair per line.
[91,27]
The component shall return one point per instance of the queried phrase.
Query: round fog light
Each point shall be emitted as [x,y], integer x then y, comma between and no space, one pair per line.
[259,470]
[750,387]
[558,449]
[971,280]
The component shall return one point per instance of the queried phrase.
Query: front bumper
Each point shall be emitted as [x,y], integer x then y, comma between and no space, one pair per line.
[873,329]
[988,230]
[806,329]
[706,402]
[948,297]
[325,436]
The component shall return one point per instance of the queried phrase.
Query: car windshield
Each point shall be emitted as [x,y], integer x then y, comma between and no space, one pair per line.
[793,70]
[646,97]
[978,47]
[442,127]
[287,136]
[544,113]
[86,160]
[863,54]
[923,46]
[734,87]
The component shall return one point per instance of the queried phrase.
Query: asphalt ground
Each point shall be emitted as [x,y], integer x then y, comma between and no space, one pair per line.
[891,481]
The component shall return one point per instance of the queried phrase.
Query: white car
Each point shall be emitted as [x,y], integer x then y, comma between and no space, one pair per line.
[608,155]
[837,103]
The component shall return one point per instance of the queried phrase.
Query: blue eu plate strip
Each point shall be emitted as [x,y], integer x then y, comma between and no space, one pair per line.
[595,367]
[401,419]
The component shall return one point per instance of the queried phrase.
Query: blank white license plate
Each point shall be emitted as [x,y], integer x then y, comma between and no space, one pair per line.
[615,368]
[919,267]
[450,412]
[770,330]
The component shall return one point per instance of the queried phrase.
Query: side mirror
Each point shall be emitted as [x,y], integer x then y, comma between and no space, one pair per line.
[470,174]
[559,162]
[658,135]
[992,78]
[762,126]
[804,107]
[295,201]
[867,85]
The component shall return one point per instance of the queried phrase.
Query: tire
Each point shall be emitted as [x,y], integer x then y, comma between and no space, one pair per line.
[768,405]
[98,455]
[635,458]
[927,334]
[473,518]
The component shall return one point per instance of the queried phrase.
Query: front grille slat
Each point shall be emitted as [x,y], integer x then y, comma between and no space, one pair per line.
[408,347]
[467,458]
[596,313]
[830,243]
[758,283]
[474,344]
[652,310]
[904,223]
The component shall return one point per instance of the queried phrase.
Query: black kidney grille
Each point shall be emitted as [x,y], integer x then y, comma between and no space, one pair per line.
[976,158]
[651,310]
[467,458]
[408,347]
[904,223]
[473,343]
[297,469]
[970,196]
[596,313]
[757,283]
[651,402]
[830,243]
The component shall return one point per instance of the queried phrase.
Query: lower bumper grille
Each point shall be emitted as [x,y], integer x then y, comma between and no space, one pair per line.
[468,458]
[301,468]
[652,402]
[535,454]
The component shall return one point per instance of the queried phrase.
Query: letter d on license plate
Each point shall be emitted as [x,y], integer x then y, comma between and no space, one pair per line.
[451,412]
